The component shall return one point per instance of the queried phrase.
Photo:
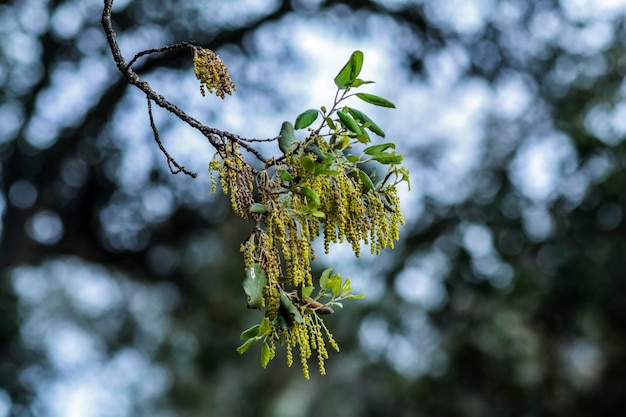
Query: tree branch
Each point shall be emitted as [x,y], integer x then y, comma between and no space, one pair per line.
[215,137]
[170,161]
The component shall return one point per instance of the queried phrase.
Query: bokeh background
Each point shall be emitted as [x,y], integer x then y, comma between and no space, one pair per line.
[120,290]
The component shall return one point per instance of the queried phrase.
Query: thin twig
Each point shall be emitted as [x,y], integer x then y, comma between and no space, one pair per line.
[261,140]
[170,161]
[168,48]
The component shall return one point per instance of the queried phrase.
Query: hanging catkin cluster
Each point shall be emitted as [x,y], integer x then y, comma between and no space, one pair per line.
[318,187]
[282,244]
[212,73]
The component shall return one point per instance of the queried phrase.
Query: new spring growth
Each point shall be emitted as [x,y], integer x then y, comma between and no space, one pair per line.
[324,186]
[212,73]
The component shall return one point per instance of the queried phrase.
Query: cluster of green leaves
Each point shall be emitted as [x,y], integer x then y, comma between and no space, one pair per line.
[332,290]
[346,126]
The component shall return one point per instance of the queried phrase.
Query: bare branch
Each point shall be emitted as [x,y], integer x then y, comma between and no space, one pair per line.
[168,48]
[215,136]
[170,161]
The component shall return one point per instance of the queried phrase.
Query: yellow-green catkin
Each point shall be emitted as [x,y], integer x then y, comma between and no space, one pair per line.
[236,178]
[212,73]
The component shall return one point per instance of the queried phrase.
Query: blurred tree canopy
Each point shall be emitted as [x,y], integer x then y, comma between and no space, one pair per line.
[121,283]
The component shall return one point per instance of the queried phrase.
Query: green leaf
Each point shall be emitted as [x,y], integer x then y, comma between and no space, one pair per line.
[285,175]
[367,122]
[359,82]
[258,208]
[251,332]
[375,100]
[306,118]
[266,354]
[318,214]
[287,141]
[334,283]
[330,123]
[366,180]
[404,173]
[363,137]
[311,195]
[308,163]
[350,71]
[346,287]
[324,278]
[291,309]
[253,285]
[355,296]
[307,291]
[388,158]
[330,282]
[314,149]
[353,158]
[374,149]
[343,143]
[349,122]
[265,327]
[241,349]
